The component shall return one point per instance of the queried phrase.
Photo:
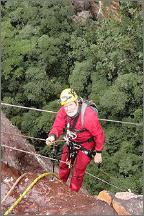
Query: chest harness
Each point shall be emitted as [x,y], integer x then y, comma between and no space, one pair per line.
[74,147]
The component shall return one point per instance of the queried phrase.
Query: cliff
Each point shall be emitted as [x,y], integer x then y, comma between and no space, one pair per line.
[48,195]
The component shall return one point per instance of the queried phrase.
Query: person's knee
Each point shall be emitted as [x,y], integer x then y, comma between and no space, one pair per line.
[63,165]
[74,187]
[76,183]
[64,173]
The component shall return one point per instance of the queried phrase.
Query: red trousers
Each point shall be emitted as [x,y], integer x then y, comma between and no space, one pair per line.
[80,165]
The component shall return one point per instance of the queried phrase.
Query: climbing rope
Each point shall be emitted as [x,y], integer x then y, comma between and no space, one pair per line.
[29,137]
[27,190]
[105,181]
[12,188]
[63,162]
[29,108]
[27,152]
[49,111]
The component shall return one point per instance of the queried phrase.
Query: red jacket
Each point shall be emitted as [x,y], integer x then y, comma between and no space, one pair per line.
[91,124]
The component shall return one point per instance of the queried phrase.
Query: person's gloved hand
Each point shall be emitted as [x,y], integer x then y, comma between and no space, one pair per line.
[50,139]
[98,158]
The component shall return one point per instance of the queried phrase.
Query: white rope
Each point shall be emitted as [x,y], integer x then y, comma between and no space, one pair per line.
[29,137]
[27,152]
[20,135]
[49,111]
[131,123]
[104,181]
[30,108]
[38,155]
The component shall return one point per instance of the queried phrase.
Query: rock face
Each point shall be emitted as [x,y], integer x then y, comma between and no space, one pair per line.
[128,203]
[16,159]
[12,137]
[85,9]
[81,17]
[48,197]
[124,203]
[81,5]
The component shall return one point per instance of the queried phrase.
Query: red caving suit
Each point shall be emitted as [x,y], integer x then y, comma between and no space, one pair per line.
[93,129]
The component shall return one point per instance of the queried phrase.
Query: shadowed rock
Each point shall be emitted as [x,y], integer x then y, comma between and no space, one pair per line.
[81,5]
[12,137]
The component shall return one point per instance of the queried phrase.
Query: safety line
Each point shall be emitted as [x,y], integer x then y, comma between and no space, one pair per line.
[30,108]
[29,137]
[27,152]
[49,111]
[42,164]
[122,122]
[61,162]
[105,181]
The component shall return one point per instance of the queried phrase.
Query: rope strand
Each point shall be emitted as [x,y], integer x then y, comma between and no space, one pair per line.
[30,108]
[49,111]
[29,137]
[105,181]
[38,155]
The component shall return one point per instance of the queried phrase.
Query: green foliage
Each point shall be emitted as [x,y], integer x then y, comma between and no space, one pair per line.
[36,87]
[113,100]
[113,139]
[80,76]
[124,94]
[98,85]
[44,51]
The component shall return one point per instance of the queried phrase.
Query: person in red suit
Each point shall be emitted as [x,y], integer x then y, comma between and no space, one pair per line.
[82,139]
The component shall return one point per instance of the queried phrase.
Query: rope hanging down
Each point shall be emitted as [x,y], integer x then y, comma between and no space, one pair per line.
[27,190]
[49,111]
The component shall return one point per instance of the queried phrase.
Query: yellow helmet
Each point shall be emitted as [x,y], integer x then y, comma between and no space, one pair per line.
[68,95]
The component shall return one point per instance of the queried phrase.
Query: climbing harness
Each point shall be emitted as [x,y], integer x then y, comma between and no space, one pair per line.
[73,149]
[71,135]
[27,190]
